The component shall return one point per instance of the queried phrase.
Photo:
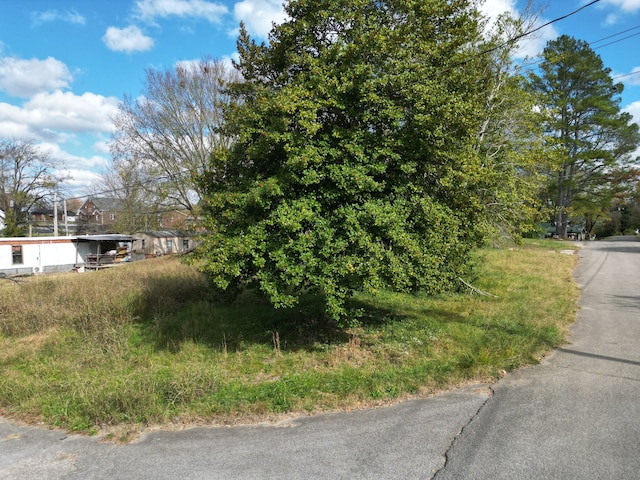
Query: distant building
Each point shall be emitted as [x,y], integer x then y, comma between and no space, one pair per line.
[164,242]
[100,210]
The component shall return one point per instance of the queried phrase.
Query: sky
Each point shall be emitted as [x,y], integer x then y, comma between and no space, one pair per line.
[66,64]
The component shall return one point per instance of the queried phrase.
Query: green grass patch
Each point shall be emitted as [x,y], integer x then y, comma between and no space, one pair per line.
[145,344]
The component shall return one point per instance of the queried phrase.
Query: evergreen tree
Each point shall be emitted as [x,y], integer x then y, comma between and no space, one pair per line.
[593,137]
[355,165]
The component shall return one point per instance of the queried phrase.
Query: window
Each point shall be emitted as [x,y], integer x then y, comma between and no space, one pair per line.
[112,216]
[185,244]
[16,251]
[169,245]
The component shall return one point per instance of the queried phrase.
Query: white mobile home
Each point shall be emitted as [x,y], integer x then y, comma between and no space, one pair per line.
[20,255]
[25,255]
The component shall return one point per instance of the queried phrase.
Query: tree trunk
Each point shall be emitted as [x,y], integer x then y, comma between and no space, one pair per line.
[561,206]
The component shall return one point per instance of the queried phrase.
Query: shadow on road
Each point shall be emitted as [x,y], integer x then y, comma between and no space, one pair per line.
[601,357]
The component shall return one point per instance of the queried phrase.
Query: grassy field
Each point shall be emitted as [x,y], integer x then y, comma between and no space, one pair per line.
[144,345]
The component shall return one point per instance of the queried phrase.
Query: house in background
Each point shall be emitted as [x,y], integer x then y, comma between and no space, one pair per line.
[175,219]
[100,210]
[164,242]
[44,215]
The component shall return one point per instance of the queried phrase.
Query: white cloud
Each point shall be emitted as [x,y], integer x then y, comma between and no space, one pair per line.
[130,39]
[630,79]
[628,6]
[229,59]
[102,146]
[494,8]
[259,15]
[611,19]
[10,128]
[56,115]
[534,44]
[634,109]
[66,111]
[79,172]
[188,65]
[71,161]
[24,78]
[149,10]
[70,16]
[78,181]
[529,46]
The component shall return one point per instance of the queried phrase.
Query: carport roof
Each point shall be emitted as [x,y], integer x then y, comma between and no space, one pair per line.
[105,238]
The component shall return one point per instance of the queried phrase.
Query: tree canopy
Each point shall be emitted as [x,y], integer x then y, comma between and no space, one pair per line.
[510,141]
[592,138]
[355,165]
[163,139]
[27,179]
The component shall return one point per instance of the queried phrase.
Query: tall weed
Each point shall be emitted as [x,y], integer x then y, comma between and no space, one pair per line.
[93,302]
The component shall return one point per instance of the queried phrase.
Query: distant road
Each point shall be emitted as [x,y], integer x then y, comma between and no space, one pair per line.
[576,415]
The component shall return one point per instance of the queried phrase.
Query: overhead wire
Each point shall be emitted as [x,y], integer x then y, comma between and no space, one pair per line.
[614,35]
[539,59]
[520,36]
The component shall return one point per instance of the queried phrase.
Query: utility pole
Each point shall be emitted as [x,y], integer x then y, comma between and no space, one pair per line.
[66,221]
[55,214]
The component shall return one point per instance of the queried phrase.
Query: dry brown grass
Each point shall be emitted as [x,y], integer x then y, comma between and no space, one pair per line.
[93,302]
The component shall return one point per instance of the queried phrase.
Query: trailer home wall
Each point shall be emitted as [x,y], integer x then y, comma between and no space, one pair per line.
[25,255]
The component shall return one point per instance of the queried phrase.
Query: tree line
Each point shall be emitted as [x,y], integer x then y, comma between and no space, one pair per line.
[373,145]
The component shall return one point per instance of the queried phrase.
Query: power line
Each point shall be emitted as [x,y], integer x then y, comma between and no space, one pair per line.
[533,63]
[520,36]
[614,35]
[626,74]
[617,41]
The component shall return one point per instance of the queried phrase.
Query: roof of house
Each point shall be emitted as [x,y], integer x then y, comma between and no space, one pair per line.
[163,233]
[71,238]
[41,211]
[112,237]
[106,204]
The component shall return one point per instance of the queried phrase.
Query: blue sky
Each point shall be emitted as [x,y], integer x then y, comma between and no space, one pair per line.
[65,64]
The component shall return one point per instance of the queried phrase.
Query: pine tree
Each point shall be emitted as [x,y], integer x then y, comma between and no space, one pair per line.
[592,136]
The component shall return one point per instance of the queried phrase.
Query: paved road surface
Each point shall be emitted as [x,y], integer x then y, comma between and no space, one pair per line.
[405,441]
[577,415]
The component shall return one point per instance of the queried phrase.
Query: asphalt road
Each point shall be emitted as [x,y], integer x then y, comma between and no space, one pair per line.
[404,441]
[576,415]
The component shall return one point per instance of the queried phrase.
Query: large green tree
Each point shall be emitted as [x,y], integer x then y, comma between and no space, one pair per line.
[355,165]
[592,137]
[510,141]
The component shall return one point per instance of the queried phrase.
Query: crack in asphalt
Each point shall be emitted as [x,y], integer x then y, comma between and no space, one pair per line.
[435,474]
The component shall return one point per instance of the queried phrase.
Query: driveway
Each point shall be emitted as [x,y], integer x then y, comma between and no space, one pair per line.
[576,415]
